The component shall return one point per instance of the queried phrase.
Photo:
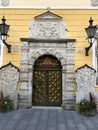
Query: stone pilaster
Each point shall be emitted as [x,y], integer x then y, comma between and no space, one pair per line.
[23,95]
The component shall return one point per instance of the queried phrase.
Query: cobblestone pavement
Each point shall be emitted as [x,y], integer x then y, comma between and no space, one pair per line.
[47,119]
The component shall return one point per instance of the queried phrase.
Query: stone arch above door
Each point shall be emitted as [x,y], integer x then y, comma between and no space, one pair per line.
[36,54]
[34,47]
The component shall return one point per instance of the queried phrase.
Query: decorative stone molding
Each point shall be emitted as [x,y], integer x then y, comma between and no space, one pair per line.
[46,41]
[9,77]
[85,79]
[94,2]
[4,2]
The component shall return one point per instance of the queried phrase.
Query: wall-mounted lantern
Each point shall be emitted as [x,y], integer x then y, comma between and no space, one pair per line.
[3,32]
[90,30]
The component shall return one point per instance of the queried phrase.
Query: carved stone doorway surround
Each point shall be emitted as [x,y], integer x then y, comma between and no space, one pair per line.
[63,50]
[47,39]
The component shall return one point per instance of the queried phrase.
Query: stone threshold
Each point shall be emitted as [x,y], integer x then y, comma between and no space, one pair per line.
[46,107]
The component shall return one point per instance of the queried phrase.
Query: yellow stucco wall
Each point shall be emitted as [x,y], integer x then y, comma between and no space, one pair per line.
[76,22]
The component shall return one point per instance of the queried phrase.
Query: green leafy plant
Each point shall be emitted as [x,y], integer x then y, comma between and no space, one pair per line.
[6,104]
[87,105]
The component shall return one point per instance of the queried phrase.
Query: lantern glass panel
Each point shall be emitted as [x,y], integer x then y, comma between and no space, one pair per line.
[4,29]
[91,31]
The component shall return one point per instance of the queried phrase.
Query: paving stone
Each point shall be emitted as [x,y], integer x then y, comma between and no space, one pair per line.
[67,115]
[31,127]
[44,115]
[42,126]
[81,126]
[70,123]
[51,128]
[10,125]
[26,117]
[34,120]
[89,124]
[16,116]
[52,123]
[92,129]
[72,128]
[60,116]
[37,113]
[46,119]
[52,114]
[62,126]
[1,126]
[22,125]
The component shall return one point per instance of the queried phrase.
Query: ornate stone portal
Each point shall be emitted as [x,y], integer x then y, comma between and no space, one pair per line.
[85,79]
[47,36]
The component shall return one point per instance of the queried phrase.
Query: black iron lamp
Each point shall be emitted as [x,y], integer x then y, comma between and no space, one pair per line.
[90,30]
[4,30]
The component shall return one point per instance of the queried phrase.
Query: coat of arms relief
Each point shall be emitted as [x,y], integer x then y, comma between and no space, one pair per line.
[47,26]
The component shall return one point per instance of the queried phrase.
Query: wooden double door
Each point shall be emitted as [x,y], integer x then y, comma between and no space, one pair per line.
[47,82]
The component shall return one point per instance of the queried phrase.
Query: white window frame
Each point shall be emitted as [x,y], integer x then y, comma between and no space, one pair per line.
[94,57]
[1,52]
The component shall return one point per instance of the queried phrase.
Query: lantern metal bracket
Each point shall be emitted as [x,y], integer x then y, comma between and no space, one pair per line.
[87,49]
[8,46]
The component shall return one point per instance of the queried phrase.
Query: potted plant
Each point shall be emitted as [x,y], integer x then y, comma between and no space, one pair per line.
[87,106]
[6,104]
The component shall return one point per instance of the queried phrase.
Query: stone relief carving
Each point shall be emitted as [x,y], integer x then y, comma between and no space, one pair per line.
[4,2]
[48,30]
[9,76]
[85,79]
[47,27]
[94,2]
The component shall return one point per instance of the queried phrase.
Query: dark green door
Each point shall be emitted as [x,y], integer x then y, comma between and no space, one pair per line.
[47,89]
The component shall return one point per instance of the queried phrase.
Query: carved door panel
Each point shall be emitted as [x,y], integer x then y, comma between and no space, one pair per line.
[54,88]
[47,88]
[39,95]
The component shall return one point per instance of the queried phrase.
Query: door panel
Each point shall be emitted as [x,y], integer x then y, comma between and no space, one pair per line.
[47,90]
[39,95]
[54,88]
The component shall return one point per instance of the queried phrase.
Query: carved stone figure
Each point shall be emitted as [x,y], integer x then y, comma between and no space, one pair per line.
[9,76]
[94,2]
[85,79]
[4,2]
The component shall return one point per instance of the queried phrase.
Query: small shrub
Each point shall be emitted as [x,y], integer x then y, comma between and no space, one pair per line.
[6,104]
[86,105]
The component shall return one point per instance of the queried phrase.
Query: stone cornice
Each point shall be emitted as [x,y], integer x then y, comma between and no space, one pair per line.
[47,40]
[52,7]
